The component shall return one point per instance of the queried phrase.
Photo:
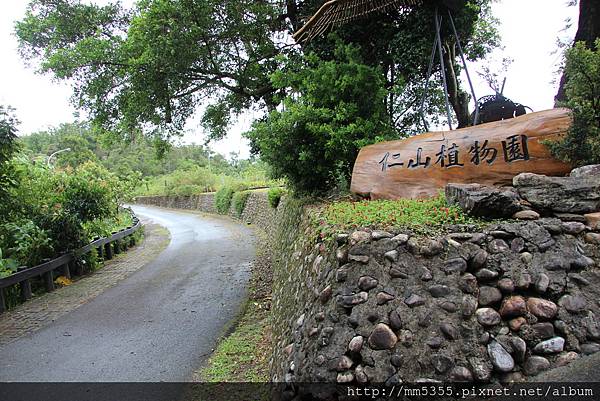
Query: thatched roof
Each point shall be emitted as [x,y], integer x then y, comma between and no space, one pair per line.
[338,12]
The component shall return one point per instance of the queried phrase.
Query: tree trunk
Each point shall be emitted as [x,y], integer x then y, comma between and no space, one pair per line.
[459,99]
[588,31]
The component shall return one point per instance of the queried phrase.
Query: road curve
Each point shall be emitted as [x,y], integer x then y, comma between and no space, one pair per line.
[160,324]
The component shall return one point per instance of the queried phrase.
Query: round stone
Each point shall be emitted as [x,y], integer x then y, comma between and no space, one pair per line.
[573,303]
[498,246]
[479,259]
[439,291]
[513,306]
[359,236]
[384,298]
[382,337]
[543,330]
[414,300]
[551,346]
[442,363]
[542,283]
[489,295]
[468,283]
[395,320]
[345,377]
[500,358]
[449,331]
[460,374]
[526,215]
[542,308]
[566,358]
[469,305]
[367,283]
[515,324]
[344,363]
[486,274]
[534,365]
[487,317]
[356,344]
[506,285]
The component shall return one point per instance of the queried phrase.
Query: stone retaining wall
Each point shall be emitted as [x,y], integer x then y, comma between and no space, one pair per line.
[257,210]
[500,303]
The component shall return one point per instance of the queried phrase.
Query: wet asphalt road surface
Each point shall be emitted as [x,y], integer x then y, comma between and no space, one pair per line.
[160,324]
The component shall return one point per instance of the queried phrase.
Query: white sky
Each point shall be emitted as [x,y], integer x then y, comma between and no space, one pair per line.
[529,30]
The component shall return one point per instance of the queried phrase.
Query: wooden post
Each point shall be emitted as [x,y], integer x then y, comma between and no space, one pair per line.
[117,247]
[2,301]
[25,290]
[25,286]
[108,251]
[49,281]
[66,271]
[100,250]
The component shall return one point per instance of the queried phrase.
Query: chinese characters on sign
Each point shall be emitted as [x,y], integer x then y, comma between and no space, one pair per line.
[514,148]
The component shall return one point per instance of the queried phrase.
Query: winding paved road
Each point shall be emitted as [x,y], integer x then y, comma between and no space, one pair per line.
[160,324]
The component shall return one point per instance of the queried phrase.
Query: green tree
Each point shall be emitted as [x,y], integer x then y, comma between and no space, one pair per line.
[581,145]
[8,146]
[332,109]
[152,66]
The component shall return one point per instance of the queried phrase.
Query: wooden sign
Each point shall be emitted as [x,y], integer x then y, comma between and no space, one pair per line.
[489,154]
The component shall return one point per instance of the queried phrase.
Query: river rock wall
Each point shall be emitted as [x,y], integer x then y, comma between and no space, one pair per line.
[257,210]
[499,303]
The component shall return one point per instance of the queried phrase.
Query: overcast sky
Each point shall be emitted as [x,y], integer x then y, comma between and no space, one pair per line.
[529,29]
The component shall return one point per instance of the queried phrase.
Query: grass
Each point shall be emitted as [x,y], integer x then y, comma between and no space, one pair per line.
[243,356]
[420,216]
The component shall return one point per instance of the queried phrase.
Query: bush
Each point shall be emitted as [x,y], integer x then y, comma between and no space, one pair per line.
[239,202]
[274,195]
[223,200]
[581,145]
[334,109]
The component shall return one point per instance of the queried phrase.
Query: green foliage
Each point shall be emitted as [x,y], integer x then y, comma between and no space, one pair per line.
[274,195]
[223,199]
[151,66]
[29,244]
[56,204]
[8,266]
[581,145]
[239,202]
[8,146]
[333,109]
[423,215]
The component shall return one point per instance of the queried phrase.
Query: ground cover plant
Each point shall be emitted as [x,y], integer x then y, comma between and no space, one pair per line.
[420,215]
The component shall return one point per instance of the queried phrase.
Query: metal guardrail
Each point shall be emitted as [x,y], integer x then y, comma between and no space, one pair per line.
[107,248]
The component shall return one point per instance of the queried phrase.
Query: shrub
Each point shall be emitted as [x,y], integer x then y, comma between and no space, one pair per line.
[581,145]
[223,199]
[334,108]
[25,242]
[239,202]
[274,195]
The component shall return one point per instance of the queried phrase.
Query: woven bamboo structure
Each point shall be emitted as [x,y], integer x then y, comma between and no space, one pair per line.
[338,12]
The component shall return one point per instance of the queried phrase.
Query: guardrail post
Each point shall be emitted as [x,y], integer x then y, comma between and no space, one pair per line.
[2,301]
[49,281]
[117,247]
[108,251]
[132,240]
[66,271]
[25,286]
[100,250]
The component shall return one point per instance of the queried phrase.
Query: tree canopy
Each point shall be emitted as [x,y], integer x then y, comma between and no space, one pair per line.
[150,68]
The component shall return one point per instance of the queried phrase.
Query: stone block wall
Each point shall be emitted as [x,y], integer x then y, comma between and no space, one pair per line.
[499,303]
